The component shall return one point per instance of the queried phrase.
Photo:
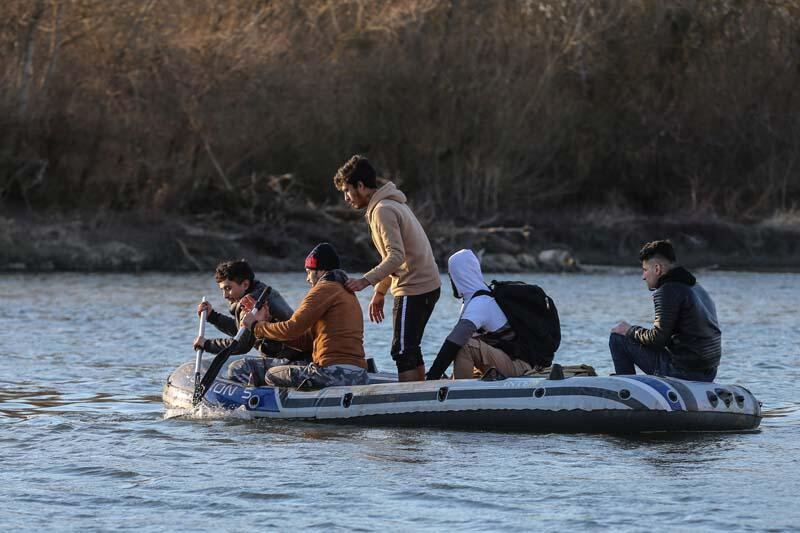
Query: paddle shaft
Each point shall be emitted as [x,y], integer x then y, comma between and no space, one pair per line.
[216,365]
[198,358]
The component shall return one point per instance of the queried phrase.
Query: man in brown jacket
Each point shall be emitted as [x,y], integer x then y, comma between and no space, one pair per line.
[328,322]
[407,265]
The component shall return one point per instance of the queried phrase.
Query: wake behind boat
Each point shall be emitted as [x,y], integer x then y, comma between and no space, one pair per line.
[579,404]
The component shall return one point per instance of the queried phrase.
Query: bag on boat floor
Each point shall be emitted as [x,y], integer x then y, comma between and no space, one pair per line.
[569,371]
[533,316]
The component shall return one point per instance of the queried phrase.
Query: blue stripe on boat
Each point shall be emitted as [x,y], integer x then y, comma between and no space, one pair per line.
[662,388]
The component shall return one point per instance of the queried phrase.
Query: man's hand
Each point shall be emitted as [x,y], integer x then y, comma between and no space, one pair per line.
[355,285]
[204,306]
[247,303]
[376,307]
[198,344]
[621,328]
[260,316]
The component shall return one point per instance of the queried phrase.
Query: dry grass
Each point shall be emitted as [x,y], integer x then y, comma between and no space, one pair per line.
[514,106]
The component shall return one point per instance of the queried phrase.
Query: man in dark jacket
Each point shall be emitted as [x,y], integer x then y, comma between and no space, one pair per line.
[685,341]
[236,280]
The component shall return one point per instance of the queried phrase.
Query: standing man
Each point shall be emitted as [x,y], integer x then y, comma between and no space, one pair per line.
[407,265]
[685,341]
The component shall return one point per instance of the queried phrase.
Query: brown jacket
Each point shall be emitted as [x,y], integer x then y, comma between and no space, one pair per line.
[408,262]
[329,322]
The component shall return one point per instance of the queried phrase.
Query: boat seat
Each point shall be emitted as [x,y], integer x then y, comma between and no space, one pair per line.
[569,371]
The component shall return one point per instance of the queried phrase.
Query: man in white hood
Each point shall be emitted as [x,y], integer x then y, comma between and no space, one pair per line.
[482,336]
[407,264]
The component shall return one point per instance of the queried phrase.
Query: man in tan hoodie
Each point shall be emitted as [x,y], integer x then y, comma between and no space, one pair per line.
[407,265]
[328,323]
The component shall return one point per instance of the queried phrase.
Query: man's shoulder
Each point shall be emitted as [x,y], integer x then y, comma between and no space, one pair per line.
[328,291]
[255,289]
[325,286]
[387,205]
[674,289]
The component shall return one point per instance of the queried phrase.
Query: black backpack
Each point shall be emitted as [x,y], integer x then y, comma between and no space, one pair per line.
[533,316]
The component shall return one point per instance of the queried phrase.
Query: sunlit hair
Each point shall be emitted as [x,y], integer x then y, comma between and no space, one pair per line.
[236,271]
[357,169]
[661,249]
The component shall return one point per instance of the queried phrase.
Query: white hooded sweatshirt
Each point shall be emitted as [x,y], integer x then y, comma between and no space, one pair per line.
[479,314]
[482,311]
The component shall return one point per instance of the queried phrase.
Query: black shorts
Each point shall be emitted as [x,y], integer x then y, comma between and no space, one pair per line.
[410,315]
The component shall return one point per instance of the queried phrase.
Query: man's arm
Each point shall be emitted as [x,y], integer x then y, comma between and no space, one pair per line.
[225,324]
[460,335]
[383,285]
[217,345]
[303,345]
[388,223]
[311,309]
[667,301]
[229,326]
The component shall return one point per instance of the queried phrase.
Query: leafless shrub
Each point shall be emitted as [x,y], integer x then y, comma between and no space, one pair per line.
[512,106]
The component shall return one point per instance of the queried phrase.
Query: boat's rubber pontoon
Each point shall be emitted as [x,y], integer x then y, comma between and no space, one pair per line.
[613,404]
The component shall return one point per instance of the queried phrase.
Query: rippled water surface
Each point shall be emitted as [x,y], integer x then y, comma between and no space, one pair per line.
[84,444]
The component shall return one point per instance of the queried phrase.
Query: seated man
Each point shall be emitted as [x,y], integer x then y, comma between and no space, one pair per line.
[329,321]
[482,337]
[236,280]
[685,341]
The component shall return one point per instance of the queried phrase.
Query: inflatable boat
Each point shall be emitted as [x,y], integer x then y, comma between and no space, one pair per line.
[579,404]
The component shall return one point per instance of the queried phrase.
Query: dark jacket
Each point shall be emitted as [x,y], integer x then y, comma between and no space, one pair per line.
[685,322]
[278,308]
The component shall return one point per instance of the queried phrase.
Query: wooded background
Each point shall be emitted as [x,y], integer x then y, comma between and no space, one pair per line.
[475,107]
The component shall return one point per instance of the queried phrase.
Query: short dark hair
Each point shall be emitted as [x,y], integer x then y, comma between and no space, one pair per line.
[236,271]
[662,249]
[356,169]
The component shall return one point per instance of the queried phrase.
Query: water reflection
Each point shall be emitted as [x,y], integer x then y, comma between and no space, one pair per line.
[89,447]
[23,403]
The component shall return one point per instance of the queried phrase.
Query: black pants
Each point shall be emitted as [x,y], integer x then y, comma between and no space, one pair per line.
[410,315]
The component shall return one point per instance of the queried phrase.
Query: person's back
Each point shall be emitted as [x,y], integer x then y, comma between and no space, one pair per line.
[418,272]
[482,338]
[338,327]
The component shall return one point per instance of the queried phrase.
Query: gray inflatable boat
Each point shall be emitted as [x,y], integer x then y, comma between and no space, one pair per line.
[581,404]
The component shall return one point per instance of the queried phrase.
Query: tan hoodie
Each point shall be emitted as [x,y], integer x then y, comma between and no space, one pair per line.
[408,262]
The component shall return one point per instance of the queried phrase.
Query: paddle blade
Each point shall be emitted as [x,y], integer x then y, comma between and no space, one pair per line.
[211,373]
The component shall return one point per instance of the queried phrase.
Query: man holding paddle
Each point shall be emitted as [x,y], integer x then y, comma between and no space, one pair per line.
[236,280]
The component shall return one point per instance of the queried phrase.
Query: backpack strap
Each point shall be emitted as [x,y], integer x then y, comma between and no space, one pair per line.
[482,293]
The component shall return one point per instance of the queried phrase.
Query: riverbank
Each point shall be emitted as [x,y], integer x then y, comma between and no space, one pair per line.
[137,242]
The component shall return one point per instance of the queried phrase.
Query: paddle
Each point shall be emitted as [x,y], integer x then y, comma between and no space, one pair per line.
[219,360]
[199,354]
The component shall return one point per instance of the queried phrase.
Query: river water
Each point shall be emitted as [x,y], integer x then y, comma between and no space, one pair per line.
[84,444]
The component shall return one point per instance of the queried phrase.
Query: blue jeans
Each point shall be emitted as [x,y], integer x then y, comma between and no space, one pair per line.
[251,370]
[626,353]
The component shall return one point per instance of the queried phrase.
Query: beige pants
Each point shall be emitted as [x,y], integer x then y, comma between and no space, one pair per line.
[482,356]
